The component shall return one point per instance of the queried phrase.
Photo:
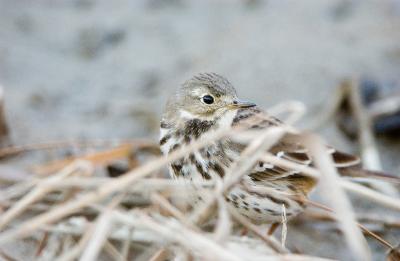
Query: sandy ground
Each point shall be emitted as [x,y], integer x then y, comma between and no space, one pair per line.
[103,69]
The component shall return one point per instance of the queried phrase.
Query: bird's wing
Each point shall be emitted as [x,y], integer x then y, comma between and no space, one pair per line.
[289,147]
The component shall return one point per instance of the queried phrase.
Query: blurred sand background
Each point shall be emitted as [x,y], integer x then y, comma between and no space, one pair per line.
[103,69]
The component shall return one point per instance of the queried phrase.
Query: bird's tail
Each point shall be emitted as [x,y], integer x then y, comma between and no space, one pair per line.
[358,172]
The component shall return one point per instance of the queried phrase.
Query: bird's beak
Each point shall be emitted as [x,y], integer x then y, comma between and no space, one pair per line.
[242,104]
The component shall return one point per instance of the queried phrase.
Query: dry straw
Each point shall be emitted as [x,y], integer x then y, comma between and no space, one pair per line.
[144,216]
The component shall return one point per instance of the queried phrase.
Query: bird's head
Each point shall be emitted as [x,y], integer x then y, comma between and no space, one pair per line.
[206,96]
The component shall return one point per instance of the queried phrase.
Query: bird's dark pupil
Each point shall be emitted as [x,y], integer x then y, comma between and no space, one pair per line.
[208,99]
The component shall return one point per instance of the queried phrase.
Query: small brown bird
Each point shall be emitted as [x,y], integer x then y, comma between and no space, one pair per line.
[208,102]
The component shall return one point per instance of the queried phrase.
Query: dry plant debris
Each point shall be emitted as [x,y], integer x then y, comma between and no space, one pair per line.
[75,211]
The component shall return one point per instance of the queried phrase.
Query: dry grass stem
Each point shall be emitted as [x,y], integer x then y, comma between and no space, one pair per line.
[13,150]
[224,223]
[284,226]
[44,187]
[369,152]
[101,230]
[97,159]
[72,254]
[126,246]
[329,181]
[385,200]
[163,203]
[271,241]
[112,252]
[17,190]
[160,255]
[369,218]
[175,232]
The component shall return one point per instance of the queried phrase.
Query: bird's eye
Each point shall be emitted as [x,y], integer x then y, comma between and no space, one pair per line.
[208,99]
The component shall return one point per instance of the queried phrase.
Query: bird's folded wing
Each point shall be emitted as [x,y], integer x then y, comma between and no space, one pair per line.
[291,147]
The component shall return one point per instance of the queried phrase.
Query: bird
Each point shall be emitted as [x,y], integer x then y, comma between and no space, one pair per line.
[208,102]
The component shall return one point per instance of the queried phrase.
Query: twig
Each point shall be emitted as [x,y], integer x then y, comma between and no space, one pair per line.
[223,226]
[160,255]
[98,238]
[72,254]
[284,225]
[17,189]
[269,240]
[369,151]
[113,252]
[380,198]
[42,244]
[126,245]
[13,150]
[337,197]
[39,192]
[137,236]
[379,219]
[369,232]
[162,202]
[102,229]
[152,184]
[97,159]
[174,231]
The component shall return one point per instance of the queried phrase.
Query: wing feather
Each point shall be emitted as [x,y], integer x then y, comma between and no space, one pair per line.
[290,147]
